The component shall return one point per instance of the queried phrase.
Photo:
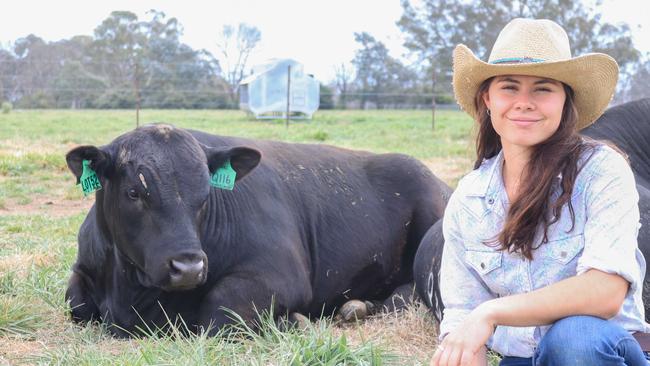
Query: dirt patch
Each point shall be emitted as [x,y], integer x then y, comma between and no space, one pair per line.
[46,205]
[14,349]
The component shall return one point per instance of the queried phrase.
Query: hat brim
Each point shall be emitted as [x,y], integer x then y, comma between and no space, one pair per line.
[592,77]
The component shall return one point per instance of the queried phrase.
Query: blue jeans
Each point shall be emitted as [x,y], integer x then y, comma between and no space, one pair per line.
[584,340]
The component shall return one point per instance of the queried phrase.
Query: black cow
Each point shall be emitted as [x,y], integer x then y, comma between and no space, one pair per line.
[628,127]
[309,227]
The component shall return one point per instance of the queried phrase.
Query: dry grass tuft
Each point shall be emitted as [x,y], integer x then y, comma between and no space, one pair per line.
[411,334]
[20,264]
[449,169]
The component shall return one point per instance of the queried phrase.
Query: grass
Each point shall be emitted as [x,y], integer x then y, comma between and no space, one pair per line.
[25,132]
[41,210]
[315,345]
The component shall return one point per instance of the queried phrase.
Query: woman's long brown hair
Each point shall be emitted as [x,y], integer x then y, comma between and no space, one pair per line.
[533,209]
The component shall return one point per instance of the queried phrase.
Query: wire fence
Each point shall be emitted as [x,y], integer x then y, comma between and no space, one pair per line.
[185,98]
[70,103]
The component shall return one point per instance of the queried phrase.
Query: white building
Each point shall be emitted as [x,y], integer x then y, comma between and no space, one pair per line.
[264,93]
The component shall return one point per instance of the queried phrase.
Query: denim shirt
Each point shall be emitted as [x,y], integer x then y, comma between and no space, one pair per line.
[605,203]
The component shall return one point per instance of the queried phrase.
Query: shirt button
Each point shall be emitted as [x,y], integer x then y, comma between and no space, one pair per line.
[563,254]
[482,265]
[490,200]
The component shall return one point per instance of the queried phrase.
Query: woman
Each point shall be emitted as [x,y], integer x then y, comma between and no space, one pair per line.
[540,262]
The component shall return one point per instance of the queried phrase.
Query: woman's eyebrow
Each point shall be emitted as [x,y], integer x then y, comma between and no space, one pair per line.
[546,81]
[507,79]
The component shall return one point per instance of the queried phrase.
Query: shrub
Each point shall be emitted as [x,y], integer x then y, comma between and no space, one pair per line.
[6,107]
[445,99]
[320,136]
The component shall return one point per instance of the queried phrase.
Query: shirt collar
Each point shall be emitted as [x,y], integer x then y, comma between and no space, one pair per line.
[488,179]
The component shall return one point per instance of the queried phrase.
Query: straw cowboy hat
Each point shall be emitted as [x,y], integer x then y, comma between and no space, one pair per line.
[538,48]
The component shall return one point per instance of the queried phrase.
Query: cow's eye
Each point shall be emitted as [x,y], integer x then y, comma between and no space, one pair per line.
[133,194]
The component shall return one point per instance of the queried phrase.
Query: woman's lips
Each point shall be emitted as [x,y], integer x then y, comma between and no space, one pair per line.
[524,122]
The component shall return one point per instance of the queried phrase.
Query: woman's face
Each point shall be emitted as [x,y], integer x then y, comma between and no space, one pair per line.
[525,110]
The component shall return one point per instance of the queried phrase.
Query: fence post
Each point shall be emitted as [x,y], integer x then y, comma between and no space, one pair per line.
[136,85]
[433,98]
[288,93]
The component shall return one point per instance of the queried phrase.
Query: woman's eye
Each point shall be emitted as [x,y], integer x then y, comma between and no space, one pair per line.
[509,87]
[543,90]
[133,194]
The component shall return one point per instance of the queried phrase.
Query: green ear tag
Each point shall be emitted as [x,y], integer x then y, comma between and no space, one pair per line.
[89,180]
[224,177]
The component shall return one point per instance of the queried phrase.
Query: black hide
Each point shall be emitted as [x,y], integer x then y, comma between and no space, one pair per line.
[308,227]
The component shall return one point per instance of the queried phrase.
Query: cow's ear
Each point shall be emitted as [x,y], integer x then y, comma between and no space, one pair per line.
[100,160]
[242,159]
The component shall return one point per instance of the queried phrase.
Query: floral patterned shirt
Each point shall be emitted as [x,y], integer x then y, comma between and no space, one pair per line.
[605,203]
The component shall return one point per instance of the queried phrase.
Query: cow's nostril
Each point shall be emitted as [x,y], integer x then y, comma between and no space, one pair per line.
[186,268]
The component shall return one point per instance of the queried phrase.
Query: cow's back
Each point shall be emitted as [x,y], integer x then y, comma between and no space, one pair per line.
[628,127]
[359,216]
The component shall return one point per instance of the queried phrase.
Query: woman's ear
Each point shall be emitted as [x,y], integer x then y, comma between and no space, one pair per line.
[486,98]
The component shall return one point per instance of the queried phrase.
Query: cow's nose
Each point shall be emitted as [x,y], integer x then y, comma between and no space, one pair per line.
[186,273]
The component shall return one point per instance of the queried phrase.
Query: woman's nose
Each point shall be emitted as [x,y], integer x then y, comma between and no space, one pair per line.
[524,102]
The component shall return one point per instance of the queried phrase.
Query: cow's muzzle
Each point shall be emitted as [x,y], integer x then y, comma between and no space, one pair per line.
[187,271]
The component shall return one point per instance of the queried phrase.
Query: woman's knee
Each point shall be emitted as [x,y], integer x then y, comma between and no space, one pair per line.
[581,339]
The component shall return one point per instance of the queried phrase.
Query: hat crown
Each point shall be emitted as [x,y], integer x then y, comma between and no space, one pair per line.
[531,40]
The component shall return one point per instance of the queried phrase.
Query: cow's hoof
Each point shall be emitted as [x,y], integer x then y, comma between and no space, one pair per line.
[299,321]
[354,310]
[293,321]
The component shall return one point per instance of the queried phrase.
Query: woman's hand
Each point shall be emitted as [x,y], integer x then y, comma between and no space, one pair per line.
[465,345]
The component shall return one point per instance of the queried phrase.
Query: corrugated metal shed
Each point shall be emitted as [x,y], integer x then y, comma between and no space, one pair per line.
[264,93]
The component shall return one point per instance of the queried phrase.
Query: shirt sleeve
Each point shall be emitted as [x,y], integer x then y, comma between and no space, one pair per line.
[612,223]
[461,288]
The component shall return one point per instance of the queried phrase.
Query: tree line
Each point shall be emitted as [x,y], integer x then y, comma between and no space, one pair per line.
[129,62]
[125,64]
[432,28]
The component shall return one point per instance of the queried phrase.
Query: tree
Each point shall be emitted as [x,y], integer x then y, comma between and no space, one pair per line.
[146,64]
[326,97]
[7,76]
[636,85]
[236,46]
[172,74]
[380,78]
[342,79]
[118,46]
[127,62]
[436,26]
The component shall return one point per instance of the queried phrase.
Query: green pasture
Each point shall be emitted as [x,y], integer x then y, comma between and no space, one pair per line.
[41,211]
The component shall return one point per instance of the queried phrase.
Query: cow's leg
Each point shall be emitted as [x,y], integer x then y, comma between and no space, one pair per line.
[293,321]
[401,297]
[82,307]
[248,298]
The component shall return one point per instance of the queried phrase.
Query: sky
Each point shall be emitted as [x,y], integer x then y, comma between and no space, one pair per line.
[319,34]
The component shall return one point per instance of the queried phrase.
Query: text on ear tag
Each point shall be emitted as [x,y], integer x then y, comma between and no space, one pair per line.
[224,177]
[89,180]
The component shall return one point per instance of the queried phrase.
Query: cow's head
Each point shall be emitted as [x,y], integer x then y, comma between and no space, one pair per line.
[155,193]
